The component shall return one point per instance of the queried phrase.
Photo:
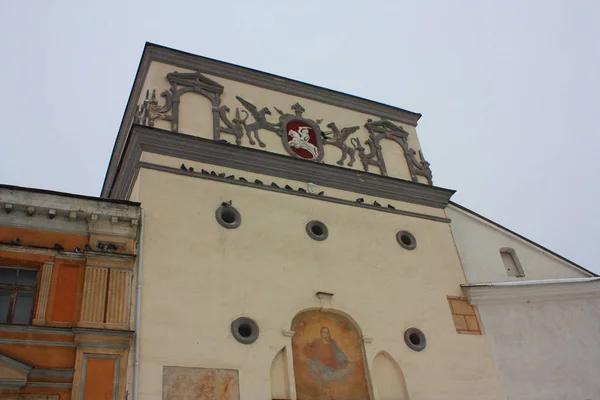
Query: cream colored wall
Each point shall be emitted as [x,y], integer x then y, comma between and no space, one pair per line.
[198,277]
[479,244]
[546,349]
[196,118]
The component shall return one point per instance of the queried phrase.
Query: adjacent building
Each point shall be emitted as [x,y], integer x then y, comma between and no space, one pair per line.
[67,268]
[295,245]
[539,310]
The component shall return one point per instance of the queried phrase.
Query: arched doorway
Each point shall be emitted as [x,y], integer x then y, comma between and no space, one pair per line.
[328,357]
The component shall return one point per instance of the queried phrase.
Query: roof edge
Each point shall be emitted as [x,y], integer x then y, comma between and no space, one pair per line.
[155,52]
[157,48]
[72,195]
[467,210]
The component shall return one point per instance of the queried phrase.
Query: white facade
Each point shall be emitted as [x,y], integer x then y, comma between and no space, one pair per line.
[544,327]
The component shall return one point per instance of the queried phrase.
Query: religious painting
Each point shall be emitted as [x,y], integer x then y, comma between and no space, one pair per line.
[328,358]
[181,383]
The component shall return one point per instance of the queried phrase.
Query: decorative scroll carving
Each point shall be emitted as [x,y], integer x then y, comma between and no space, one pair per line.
[384,129]
[419,167]
[235,127]
[151,110]
[301,137]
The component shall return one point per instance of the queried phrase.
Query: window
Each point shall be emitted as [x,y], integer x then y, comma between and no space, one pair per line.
[17,291]
[511,262]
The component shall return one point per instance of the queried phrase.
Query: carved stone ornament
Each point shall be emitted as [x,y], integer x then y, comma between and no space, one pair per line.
[384,129]
[300,136]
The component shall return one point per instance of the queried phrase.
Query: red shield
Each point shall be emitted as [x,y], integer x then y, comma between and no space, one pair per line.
[302,139]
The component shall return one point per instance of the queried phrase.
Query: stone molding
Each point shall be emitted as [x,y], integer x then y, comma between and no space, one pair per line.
[153,52]
[530,291]
[63,331]
[68,255]
[176,171]
[198,149]
[14,364]
[52,373]
[44,291]
[55,205]
[81,225]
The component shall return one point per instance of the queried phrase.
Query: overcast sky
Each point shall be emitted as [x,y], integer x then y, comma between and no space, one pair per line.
[509,90]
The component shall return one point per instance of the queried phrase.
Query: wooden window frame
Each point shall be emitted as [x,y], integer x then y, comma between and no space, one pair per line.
[15,289]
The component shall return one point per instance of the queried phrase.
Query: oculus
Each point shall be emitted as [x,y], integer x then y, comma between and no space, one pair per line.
[317,230]
[415,339]
[244,330]
[228,216]
[406,240]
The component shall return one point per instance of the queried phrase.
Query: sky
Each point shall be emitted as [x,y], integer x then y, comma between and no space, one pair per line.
[509,90]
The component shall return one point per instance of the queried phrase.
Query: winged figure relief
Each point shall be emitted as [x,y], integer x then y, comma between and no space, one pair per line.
[260,122]
[338,140]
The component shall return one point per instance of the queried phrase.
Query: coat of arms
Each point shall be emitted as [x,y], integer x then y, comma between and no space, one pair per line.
[301,137]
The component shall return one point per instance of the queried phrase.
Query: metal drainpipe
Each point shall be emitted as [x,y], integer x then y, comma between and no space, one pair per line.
[138,310]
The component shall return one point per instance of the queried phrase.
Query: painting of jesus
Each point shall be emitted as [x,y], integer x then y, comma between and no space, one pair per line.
[325,359]
[328,357]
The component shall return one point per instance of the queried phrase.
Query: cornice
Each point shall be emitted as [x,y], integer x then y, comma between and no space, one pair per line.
[14,364]
[67,255]
[176,171]
[31,210]
[278,83]
[153,52]
[54,205]
[531,291]
[158,141]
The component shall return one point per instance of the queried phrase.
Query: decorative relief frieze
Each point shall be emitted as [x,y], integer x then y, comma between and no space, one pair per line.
[384,129]
[301,137]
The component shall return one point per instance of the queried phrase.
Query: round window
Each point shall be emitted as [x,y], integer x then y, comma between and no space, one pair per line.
[406,240]
[244,330]
[317,230]
[228,217]
[415,339]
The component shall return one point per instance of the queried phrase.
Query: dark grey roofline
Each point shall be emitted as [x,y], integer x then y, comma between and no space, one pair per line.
[153,52]
[521,237]
[77,196]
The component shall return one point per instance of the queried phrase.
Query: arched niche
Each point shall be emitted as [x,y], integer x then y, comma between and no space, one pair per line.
[328,357]
[388,379]
[280,385]
[195,115]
